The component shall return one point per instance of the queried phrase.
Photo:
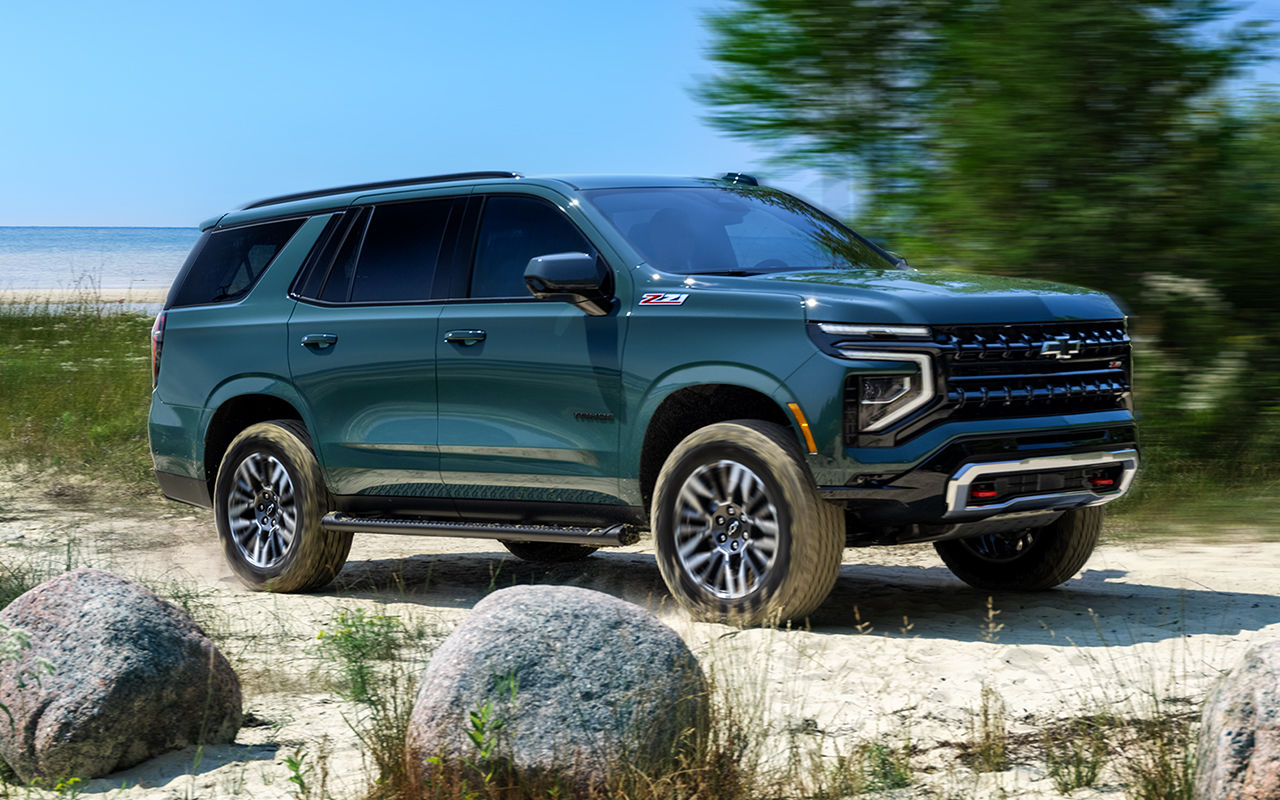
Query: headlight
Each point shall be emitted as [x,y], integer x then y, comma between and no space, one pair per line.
[885,399]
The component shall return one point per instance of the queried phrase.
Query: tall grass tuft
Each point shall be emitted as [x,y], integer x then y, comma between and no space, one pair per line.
[1075,752]
[20,574]
[989,748]
[17,577]
[1160,757]
[368,666]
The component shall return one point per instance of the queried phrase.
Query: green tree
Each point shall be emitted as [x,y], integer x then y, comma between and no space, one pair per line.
[1024,135]
[1079,140]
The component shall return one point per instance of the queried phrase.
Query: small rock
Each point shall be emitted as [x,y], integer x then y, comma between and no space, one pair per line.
[1239,749]
[575,683]
[252,720]
[133,677]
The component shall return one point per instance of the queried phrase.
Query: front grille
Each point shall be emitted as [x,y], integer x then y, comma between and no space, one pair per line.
[997,371]
[1020,370]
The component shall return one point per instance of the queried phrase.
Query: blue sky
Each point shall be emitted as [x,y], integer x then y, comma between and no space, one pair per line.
[165,113]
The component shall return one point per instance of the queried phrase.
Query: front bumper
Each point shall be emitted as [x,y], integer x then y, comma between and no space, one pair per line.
[1032,472]
[1050,475]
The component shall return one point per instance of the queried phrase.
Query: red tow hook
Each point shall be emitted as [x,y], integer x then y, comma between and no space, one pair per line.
[983,491]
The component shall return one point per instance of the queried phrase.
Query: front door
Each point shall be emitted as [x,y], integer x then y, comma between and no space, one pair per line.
[529,391]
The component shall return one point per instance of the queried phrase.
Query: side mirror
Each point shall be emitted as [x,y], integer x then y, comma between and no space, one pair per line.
[577,278]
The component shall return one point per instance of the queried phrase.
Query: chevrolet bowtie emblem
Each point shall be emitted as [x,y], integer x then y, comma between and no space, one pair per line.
[1061,347]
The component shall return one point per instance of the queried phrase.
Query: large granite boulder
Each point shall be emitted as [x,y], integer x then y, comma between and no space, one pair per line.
[557,684]
[132,677]
[1239,749]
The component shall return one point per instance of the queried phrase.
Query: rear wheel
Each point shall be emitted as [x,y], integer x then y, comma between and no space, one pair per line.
[548,552]
[1028,560]
[740,533]
[269,499]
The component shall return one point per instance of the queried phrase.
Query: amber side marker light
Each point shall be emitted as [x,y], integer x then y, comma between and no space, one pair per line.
[804,427]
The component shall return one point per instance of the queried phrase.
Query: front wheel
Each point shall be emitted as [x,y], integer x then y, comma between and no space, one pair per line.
[269,499]
[740,533]
[1025,561]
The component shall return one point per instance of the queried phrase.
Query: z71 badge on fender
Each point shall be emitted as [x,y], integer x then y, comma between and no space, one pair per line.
[662,299]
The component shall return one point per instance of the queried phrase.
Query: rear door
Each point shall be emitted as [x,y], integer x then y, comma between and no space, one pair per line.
[529,390]
[362,345]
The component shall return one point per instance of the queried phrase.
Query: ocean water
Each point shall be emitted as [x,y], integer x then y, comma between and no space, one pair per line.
[88,258]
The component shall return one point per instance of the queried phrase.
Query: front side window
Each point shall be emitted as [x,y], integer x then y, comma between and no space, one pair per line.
[731,230]
[512,231]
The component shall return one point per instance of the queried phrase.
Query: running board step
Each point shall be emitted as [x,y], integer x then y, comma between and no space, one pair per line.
[612,536]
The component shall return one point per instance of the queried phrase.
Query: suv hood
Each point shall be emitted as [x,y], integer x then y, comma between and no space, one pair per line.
[935,297]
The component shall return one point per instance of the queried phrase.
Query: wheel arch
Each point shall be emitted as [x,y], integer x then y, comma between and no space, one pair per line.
[236,410]
[686,408]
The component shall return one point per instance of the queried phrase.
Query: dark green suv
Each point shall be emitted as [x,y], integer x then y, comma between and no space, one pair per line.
[560,363]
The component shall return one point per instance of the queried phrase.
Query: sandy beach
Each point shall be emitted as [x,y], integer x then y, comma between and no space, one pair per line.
[129,297]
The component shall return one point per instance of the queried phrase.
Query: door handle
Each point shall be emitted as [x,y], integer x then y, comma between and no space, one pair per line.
[464,337]
[319,341]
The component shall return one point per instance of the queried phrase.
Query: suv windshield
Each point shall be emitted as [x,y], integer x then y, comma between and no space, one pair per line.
[732,230]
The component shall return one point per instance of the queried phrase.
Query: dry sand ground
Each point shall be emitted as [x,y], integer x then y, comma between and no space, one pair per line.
[900,649]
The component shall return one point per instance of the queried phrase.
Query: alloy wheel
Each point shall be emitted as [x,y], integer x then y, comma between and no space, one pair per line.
[727,529]
[262,510]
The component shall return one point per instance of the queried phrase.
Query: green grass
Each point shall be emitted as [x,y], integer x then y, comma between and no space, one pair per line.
[1076,751]
[373,660]
[75,382]
[1197,499]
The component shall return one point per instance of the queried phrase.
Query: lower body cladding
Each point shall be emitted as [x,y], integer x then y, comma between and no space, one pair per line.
[976,498]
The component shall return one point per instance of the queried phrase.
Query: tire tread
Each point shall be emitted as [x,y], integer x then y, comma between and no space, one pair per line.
[817,527]
[1069,542]
[319,555]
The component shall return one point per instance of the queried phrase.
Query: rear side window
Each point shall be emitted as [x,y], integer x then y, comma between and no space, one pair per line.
[226,264]
[393,258]
[338,287]
[512,231]
[400,252]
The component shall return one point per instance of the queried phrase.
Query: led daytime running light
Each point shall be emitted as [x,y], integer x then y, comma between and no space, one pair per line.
[900,331]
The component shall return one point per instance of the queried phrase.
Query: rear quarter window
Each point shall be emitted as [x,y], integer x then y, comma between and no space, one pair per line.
[225,264]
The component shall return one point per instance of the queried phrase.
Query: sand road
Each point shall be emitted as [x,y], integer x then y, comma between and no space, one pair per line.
[900,651]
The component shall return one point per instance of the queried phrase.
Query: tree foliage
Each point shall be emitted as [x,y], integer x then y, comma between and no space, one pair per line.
[1079,140]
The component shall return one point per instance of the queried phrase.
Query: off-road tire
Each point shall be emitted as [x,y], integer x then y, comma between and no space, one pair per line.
[1052,555]
[313,556]
[548,552]
[809,531]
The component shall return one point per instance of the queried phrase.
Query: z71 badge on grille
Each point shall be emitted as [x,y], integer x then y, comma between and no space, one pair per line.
[662,299]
